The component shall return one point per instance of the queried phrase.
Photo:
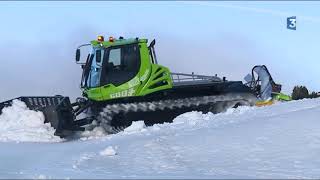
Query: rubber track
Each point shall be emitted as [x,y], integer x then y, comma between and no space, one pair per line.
[229,100]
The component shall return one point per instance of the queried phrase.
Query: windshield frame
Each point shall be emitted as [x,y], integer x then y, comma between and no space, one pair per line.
[87,68]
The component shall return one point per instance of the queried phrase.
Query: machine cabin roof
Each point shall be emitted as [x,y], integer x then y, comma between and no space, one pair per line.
[116,42]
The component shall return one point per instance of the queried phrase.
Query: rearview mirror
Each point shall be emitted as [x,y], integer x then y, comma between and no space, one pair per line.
[98,56]
[78,55]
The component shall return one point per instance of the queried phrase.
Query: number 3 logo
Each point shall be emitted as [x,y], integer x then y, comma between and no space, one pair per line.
[291,23]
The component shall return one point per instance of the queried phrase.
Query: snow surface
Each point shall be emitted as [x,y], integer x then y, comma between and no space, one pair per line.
[278,141]
[109,151]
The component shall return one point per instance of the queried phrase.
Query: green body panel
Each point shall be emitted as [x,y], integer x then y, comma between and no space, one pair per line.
[145,82]
[93,93]
[281,97]
[159,74]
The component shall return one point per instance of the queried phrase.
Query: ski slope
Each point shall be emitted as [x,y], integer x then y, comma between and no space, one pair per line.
[278,141]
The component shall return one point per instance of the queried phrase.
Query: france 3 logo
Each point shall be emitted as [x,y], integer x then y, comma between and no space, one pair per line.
[292,23]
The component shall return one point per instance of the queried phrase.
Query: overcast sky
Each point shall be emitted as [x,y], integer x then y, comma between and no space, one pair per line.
[38,40]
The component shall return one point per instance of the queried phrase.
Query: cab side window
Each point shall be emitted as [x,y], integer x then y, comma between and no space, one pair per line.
[115,56]
[122,63]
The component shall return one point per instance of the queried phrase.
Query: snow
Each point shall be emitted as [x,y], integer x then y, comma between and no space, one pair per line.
[18,123]
[95,133]
[41,176]
[109,151]
[278,141]
[136,126]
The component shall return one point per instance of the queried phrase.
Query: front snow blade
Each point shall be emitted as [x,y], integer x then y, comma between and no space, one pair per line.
[56,109]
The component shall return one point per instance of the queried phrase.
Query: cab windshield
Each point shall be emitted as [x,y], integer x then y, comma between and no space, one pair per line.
[92,70]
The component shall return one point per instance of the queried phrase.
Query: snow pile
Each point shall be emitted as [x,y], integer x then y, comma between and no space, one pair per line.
[18,123]
[109,151]
[95,133]
[197,118]
[136,126]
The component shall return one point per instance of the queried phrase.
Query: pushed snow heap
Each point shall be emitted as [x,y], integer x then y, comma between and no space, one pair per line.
[109,151]
[18,123]
[136,126]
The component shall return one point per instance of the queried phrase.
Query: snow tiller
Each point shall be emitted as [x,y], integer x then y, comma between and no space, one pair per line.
[123,82]
[266,90]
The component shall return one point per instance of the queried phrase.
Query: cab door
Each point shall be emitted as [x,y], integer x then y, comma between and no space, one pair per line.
[120,68]
[93,89]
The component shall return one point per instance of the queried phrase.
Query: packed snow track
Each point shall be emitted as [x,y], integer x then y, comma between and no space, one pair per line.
[278,141]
